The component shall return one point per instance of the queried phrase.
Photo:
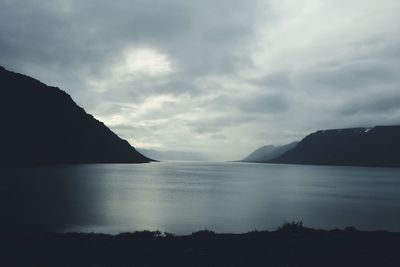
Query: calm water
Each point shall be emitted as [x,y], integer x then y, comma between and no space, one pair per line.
[182,197]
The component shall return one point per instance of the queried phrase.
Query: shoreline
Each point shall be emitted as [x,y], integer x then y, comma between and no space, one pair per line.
[289,245]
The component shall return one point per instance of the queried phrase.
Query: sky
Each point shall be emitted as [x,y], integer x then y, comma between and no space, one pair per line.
[220,77]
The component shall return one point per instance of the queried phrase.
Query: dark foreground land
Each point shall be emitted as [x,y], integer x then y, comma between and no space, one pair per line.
[290,245]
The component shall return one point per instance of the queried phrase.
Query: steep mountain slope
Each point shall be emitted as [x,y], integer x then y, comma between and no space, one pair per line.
[266,153]
[378,146]
[42,125]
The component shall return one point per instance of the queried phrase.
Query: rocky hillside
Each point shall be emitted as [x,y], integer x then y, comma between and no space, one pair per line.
[377,146]
[42,125]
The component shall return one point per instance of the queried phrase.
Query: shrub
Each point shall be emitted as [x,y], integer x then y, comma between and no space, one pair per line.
[291,227]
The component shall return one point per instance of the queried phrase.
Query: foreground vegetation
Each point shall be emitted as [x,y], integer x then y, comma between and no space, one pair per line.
[290,245]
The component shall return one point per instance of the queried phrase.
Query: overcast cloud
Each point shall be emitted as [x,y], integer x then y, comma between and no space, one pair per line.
[220,77]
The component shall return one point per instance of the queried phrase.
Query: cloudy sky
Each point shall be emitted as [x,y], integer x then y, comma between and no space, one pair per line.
[221,77]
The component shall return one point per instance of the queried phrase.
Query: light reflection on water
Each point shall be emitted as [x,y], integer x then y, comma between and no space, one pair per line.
[182,197]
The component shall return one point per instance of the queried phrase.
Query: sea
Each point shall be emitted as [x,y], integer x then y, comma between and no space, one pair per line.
[182,197]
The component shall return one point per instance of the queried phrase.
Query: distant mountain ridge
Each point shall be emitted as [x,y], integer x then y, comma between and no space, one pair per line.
[377,146]
[269,152]
[171,155]
[43,125]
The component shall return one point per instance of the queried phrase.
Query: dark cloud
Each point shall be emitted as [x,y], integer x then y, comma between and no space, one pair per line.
[264,103]
[278,79]
[355,75]
[374,104]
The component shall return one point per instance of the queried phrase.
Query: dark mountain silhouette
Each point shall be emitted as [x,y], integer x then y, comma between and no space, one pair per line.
[269,152]
[259,153]
[172,155]
[43,125]
[377,146]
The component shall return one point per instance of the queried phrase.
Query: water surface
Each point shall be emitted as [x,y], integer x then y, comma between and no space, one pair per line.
[183,197]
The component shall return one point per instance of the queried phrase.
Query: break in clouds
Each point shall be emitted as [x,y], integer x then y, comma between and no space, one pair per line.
[218,77]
